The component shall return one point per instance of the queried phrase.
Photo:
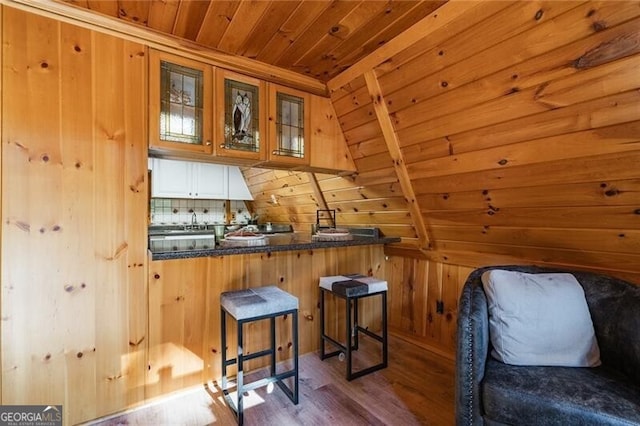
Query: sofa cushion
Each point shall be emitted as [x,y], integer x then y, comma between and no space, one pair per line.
[558,396]
[539,319]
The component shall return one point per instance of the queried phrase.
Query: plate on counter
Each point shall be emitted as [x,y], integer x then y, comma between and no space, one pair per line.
[244,237]
[335,232]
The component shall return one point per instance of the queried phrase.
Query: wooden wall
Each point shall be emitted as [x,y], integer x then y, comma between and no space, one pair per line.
[74,196]
[508,134]
[517,125]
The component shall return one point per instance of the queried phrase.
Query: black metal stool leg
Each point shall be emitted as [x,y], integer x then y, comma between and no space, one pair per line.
[272,345]
[348,337]
[223,343]
[295,357]
[240,387]
[321,323]
[385,354]
[354,332]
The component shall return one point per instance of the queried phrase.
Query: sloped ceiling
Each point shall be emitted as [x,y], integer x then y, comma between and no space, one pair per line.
[315,38]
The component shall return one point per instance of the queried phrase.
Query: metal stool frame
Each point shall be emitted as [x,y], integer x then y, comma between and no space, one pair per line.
[241,387]
[352,331]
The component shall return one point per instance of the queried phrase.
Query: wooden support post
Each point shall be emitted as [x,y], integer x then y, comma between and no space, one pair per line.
[391,139]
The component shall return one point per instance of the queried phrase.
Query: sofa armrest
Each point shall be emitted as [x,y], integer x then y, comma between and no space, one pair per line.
[472,351]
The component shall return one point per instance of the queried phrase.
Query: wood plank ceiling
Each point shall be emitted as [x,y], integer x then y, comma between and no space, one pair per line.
[317,38]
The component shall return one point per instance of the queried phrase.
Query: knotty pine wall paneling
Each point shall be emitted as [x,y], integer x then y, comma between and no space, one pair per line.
[74,196]
[519,127]
[416,287]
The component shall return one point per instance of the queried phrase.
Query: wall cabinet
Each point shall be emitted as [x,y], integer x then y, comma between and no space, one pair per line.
[197,111]
[180,103]
[188,179]
[240,116]
[288,126]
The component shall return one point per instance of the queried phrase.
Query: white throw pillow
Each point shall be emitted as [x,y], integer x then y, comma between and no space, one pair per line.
[539,319]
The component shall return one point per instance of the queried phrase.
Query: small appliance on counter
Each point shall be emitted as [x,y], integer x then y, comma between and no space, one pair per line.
[332,234]
[328,231]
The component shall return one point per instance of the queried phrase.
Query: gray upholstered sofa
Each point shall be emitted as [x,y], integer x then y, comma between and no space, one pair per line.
[490,392]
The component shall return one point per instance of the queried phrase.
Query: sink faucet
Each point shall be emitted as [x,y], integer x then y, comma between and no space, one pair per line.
[194,219]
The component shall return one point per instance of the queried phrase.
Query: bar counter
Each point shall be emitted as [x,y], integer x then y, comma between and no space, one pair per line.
[185,249]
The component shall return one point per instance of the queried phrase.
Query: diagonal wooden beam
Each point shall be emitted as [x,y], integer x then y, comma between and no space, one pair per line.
[437,19]
[317,192]
[391,139]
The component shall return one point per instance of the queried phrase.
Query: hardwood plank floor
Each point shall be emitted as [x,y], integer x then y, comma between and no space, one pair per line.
[417,388]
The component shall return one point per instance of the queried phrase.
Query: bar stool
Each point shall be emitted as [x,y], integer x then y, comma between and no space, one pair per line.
[352,288]
[249,305]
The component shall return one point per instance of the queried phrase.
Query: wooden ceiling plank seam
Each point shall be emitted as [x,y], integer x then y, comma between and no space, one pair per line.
[570,258]
[216,22]
[601,112]
[358,117]
[439,18]
[427,150]
[348,93]
[315,32]
[162,15]
[582,194]
[299,21]
[583,169]
[106,8]
[336,44]
[600,217]
[605,240]
[391,138]
[464,101]
[562,91]
[272,19]
[391,25]
[113,26]
[617,138]
[531,72]
[476,259]
[189,19]
[471,18]
[529,101]
[242,26]
[134,11]
[451,59]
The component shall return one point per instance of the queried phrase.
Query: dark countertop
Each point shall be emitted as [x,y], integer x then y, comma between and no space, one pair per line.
[277,242]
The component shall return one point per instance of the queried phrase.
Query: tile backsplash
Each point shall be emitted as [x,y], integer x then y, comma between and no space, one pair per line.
[180,211]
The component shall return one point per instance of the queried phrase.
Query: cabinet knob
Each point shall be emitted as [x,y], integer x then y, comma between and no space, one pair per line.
[274,153]
[223,146]
[208,143]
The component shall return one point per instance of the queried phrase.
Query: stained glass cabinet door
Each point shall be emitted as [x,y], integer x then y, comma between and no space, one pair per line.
[181,101]
[240,116]
[289,128]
